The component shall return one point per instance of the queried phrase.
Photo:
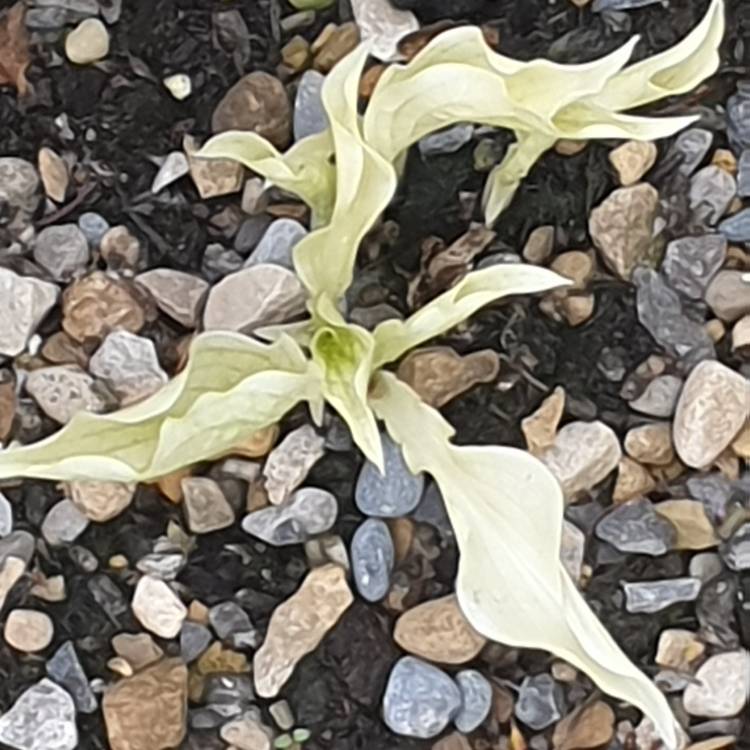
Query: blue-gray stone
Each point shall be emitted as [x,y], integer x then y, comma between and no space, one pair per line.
[309,511]
[228,694]
[737,228]
[712,190]
[738,117]
[389,495]
[372,559]
[420,699]
[6,516]
[66,670]
[446,141]
[62,250]
[194,640]
[18,544]
[653,596]
[232,624]
[691,262]
[539,699]
[476,700]
[743,174]
[277,244]
[309,115]
[736,550]
[659,399]
[714,491]
[637,528]
[219,261]
[693,146]
[250,233]
[42,718]
[661,314]
[93,226]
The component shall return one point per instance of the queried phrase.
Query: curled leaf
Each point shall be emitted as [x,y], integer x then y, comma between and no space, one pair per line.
[506,510]
[477,289]
[232,387]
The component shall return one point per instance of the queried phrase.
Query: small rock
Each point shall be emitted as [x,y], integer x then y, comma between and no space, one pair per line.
[743,174]
[179,85]
[6,517]
[206,507]
[298,625]
[120,249]
[632,160]
[64,390]
[65,669]
[738,112]
[54,174]
[711,193]
[373,556]
[257,102]
[277,244]
[539,429]
[28,630]
[88,42]
[177,294]
[661,314]
[688,517]
[713,406]
[722,686]
[333,44]
[650,444]
[289,463]
[295,54]
[437,630]
[148,711]
[309,115]
[476,700]
[728,295]
[42,718]
[64,523]
[653,596]
[741,334]
[572,549]
[622,228]
[62,250]
[212,177]
[691,262]
[19,191]
[591,725]
[736,551]
[158,608]
[636,528]
[446,141]
[539,244]
[660,397]
[633,480]
[382,25]
[94,227]
[138,650]
[706,565]
[232,624]
[101,501]
[438,374]
[538,703]
[174,166]
[246,733]
[693,146]
[582,455]
[420,699]
[309,511]
[737,227]
[194,640]
[679,649]
[100,303]
[129,365]
[24,303]
[260,295]
[219,262]
[11,570]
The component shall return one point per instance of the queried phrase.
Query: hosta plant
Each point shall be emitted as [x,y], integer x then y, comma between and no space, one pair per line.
[505,506]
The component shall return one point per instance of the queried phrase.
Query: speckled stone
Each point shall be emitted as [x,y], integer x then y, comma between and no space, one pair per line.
[373,556]
[476,700]
[635,527]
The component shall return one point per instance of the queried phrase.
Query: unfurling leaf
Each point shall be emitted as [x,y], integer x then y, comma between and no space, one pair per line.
[232,387]
[14,48]
[506,510]
[477,289]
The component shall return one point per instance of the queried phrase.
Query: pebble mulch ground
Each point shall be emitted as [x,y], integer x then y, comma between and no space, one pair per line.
[200,613]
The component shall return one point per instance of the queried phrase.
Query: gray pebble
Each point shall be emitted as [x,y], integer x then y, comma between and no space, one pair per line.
[737,228]
[736,551]
[712,190]
[163,565]
[64,523]
[393,494]
[62,250]
[653,596]
[277,244]
[713,490]
[65,669]
[738,117]
[250,233]
[18,544]
[373,556]
[42,718]
[660,397]
[94,227]
[420,699]
[446,141]
[637,528]
[194,640]
[538,703]
[661,314]
[229,694]
[693,145]
[232,624]
[108,596]
[743,174]
[6,516]
[19,188]
[308,511]
[691,262]
[705,565]
[476,697]
[309,115]
[219,262]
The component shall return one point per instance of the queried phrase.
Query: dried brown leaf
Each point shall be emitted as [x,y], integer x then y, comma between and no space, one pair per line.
[14,49]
